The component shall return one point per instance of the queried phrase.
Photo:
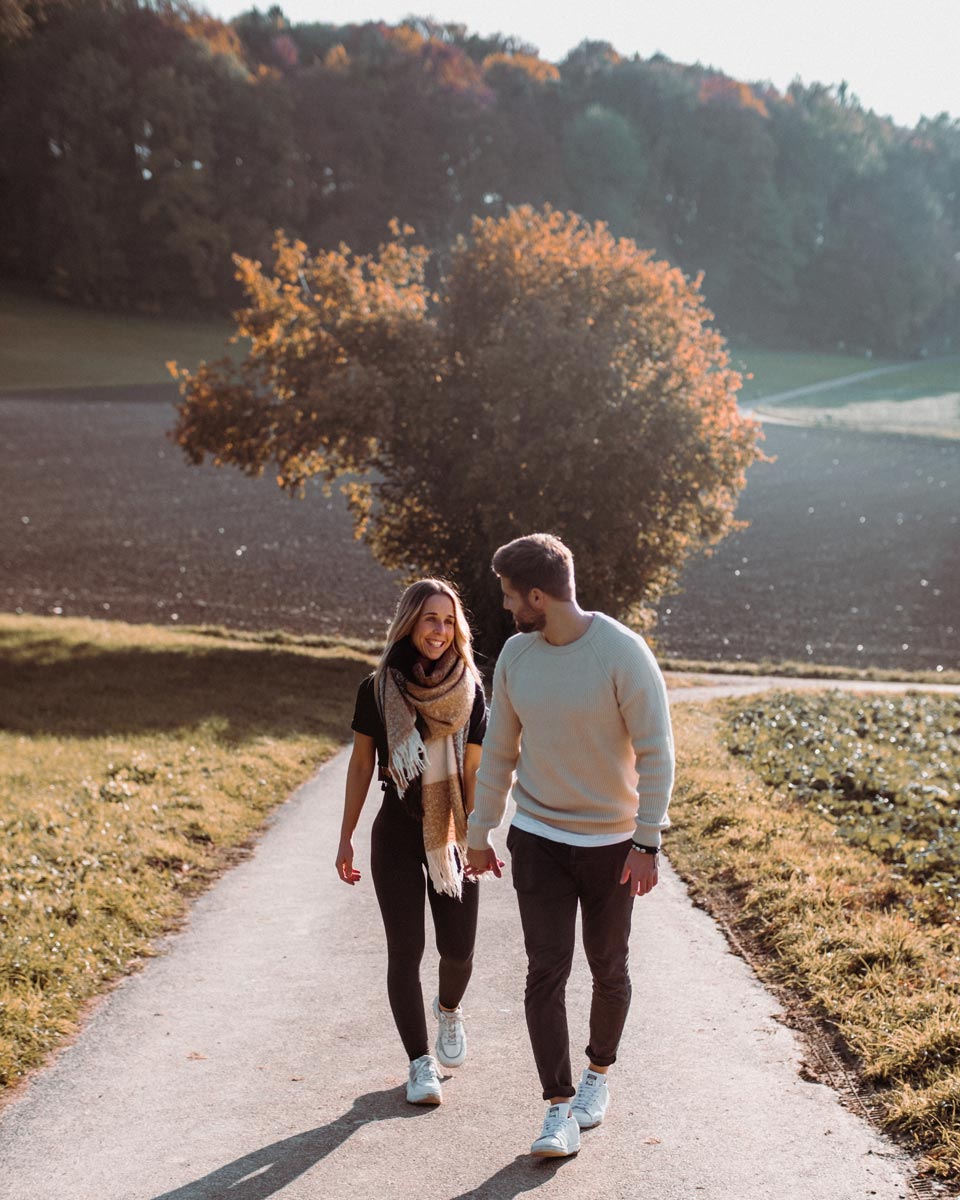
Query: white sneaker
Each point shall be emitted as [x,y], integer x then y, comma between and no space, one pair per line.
[451,1044]
[423,1086]
[590,1102]
[560,1135]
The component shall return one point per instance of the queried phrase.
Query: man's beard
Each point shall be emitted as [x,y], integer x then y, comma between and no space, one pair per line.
[528,621]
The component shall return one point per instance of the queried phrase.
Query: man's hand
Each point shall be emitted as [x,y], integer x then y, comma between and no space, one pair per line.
[481,861]
[640,870]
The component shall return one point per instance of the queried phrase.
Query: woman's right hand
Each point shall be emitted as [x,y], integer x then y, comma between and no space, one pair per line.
[345,868]
[363,759]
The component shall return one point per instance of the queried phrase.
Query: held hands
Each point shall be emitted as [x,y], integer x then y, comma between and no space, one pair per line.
[480,861]
[640,870]
[345,868]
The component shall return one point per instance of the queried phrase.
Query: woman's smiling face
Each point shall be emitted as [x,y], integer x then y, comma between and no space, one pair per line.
[433,633]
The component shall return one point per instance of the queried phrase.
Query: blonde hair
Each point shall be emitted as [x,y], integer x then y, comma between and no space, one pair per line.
[409,607]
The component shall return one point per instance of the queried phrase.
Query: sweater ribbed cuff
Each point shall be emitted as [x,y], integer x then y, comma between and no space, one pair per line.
[647,835]
[478,836]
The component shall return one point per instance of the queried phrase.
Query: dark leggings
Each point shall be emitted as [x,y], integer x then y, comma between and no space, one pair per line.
[398,865]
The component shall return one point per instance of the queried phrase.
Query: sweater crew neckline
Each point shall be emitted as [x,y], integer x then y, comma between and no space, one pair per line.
[570,647]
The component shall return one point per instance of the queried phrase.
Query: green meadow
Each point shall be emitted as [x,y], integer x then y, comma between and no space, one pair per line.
[919,397]
[44,344]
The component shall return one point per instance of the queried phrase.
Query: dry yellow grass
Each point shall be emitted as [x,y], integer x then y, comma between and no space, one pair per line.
[934,416]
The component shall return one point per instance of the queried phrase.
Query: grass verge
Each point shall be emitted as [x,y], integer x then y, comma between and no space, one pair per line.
[46,344]
[804,670]
[873,954]
[920,397]
[774,371]
[786,668]
[135,763]
[909,381]
[929,416]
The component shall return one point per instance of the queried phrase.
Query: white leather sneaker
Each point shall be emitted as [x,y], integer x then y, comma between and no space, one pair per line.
[590,1102]
[423,1086]
[451,1044]
[560,1135]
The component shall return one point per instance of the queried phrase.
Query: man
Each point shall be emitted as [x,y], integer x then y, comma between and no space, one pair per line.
[580,712]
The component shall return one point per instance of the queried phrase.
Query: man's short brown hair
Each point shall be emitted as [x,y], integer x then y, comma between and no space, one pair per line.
[539,560]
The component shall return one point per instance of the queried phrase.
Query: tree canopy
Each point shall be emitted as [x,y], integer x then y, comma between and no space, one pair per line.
[553,377]
[142,142]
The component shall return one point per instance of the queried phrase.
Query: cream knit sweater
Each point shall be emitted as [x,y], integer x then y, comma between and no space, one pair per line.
[586,728]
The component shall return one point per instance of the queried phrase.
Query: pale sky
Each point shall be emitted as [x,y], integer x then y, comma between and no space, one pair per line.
[900,57]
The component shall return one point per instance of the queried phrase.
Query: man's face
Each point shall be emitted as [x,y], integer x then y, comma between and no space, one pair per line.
[526,618]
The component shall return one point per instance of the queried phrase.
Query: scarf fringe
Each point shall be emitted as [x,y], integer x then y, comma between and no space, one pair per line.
[445,865]
[408,760]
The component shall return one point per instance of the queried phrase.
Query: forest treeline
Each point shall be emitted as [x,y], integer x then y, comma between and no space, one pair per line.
[141,144]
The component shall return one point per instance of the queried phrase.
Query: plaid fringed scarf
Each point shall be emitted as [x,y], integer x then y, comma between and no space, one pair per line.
[444,700]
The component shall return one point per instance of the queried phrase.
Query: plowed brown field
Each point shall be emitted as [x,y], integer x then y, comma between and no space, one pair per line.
[852,555]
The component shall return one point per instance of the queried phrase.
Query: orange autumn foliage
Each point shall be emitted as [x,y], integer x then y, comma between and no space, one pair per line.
[537,70]
[720,89]
[218,36]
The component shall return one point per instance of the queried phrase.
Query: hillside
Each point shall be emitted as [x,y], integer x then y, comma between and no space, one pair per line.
[146,144]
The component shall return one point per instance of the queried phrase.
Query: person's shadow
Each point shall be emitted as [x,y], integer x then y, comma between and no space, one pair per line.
[265,1172]
[522,1175]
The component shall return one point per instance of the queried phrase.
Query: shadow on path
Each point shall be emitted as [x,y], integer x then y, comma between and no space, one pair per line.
[265,1172]
[522,1175]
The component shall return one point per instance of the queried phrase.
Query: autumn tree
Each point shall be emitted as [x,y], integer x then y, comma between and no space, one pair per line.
[556,379]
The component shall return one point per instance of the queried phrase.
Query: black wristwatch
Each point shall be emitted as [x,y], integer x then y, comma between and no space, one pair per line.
[644,849]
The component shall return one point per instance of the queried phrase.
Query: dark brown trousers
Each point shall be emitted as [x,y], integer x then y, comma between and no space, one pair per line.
[553,879]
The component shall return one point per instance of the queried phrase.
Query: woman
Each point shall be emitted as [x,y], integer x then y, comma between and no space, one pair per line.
[422,714]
